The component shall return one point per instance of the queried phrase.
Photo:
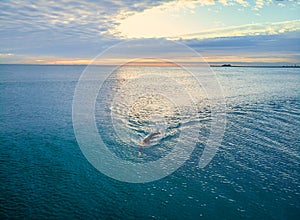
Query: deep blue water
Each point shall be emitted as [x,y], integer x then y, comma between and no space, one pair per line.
[254,175]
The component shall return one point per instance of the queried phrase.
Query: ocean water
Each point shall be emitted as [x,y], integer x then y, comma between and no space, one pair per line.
[254,175]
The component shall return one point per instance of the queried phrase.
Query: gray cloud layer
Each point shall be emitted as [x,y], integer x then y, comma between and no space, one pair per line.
[79,29]
[38,24]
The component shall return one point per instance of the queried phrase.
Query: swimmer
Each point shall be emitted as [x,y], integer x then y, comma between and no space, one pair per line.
[147,140]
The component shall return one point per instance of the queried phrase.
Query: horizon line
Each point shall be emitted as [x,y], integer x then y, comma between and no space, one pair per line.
[223,65]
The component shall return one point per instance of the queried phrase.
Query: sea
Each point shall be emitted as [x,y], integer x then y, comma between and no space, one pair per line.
[254,174]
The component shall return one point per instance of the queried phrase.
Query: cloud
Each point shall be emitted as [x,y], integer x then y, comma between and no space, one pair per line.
[63,20]
[261,3]
[259,49]
[243,3]
[263,49]
[64,28]
[184,17]
[69,31]
[250,59]
[272,43]
[245,30]
[87,20]
[6,55]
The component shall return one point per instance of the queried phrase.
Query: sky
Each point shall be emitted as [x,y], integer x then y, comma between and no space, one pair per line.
[257,32]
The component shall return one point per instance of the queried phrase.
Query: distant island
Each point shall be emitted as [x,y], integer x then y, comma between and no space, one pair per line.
[229,65]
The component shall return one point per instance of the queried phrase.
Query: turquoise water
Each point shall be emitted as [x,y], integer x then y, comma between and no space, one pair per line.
[254,175]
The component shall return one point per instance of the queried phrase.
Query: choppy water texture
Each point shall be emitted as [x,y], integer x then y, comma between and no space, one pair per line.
[254,175]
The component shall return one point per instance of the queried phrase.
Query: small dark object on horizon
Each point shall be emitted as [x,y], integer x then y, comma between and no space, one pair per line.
[226,65]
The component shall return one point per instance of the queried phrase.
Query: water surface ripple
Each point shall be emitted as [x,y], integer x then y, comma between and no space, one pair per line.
[255,174]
